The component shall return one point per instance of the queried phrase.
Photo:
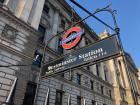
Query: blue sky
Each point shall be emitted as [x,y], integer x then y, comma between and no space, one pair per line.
[128,19]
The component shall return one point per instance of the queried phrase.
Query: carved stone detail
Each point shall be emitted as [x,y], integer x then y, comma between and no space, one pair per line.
[9,33]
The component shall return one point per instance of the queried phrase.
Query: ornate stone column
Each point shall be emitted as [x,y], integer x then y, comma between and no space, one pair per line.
[32,12]
[36,14]
[6,2]
[93,69]
[20,8]
[27,9]
[82,43]
[48,33]
[112,69]
[101,71]
[108,76]
[123,73]
[54,42]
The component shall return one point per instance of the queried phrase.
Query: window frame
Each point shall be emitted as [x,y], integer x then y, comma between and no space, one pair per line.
[102,89]
[79,100]
[94,102]
[42,36]
[60,49]
[92,85]
[2,1]
[61,97]
[97,69]
[78,78]
[46,10]
[63,23]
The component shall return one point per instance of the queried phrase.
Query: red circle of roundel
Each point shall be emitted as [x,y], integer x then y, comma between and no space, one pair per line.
[75,42]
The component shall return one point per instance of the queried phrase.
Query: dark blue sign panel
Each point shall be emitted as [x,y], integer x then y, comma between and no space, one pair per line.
[100,50]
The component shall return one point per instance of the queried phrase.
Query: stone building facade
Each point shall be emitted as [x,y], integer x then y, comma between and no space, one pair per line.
[125,78]
[89,85]
[26,27]
[17,45]
[21,19]
[139,74]
[139,83]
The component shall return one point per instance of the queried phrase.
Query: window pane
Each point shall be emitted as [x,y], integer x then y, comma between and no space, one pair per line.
[78,100]
[60,48]
[42,31]
[78,78]
[1,1]
[30,94]
[93,102]
[102,89]
[91,84]
[58,100]
[46,9]
[110,94]
[97,69]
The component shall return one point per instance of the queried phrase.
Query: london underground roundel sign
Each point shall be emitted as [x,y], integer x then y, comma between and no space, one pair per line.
[70,40]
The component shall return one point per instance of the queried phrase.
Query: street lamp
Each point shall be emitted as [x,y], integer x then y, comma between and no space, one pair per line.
[117,31]
[58,35]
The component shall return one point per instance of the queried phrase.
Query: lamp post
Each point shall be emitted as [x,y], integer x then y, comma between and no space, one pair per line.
[46,45]
[117,32]
[58,35]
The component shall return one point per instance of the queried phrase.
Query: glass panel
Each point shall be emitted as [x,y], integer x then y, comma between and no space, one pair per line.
[30,94]
[60,48]
[78,78]
[78,100]
[1,1]
[94,102]
[97,69]
[102,89]
[91,84]
[46,9]
[42,31]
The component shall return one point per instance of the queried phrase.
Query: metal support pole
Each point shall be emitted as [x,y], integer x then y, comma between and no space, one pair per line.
[81,7]
[84,101]
[47,96]
[117,31]
[11,91]
[96,103]
[69,99]
[57,35]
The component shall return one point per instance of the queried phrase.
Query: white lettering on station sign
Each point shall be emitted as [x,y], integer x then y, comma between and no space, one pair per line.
[100,50]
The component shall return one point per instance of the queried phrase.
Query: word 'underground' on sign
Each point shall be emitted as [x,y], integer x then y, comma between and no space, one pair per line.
[72,37]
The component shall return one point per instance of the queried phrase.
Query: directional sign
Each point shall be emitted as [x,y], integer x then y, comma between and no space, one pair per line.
[100,50]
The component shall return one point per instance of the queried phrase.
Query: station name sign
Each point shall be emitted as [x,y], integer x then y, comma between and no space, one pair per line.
[100,50]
